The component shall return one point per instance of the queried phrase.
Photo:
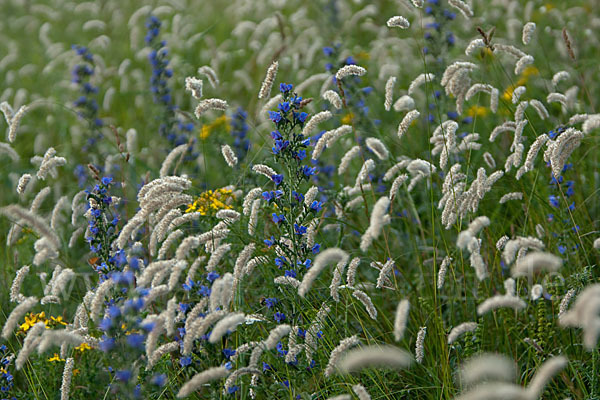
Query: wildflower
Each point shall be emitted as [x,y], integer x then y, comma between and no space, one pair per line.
[185,361]
[279,317]
[278,218]
[270,302]
[56,358]
[285,87]
[280,261]
[270,242]
[277,178]
[83,347]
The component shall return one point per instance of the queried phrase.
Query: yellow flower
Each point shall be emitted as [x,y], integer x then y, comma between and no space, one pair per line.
[530,71]
[56,358]
[507,95]
[347,119]
[206,130]
[83,347]
[211,201]
[58,320]
[477,111]
[363,55]
[525,75]
[76,372]
[31,319]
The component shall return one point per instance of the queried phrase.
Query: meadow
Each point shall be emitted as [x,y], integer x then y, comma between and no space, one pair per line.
[285,199]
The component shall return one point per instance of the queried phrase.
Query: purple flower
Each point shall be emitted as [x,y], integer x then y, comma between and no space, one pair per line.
[284,107]
[302,117]
[274,116]
[228,352]
[277,178]
[270,242]
[280,261]
[123,375]
[316,248]
[278,218]
[107,344]
[270,302]
[316,206]
[159,380]
[185,361]
[285,87]
[299,229]
[279,317]
[211,276]
[135,340]
[290,273]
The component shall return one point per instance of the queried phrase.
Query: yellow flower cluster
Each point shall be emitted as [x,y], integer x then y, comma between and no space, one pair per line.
[477,111]
[32,319]
[55,357]
[83,347]
[525,75]
[348,118]
[208,128]
[211,202]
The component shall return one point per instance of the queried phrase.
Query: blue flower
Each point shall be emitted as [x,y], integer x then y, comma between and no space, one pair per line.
[136,340]
[299,197]
[284,88]
[553,201]
[159,380]
[309,171]
[299,229]
[280,261]
[301,117]
[276,135]
[290,273]
[185,361]
[123,278]
[279,317]
[328,51]
[107,343]
[211,276]
[277,178]
[278,218]
[204,291]
[274,116]
[123,375]
[105,324]
[266,367]
[188,285]
[270,302]
[270,242]
[301,154]
[284,107]
[228,352]
[316,248]
[268,196]
[107,180]
[233,389]
[316,206]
